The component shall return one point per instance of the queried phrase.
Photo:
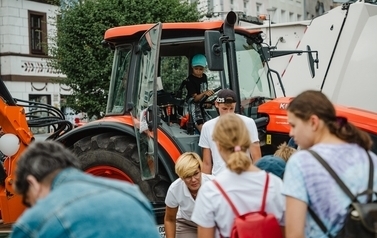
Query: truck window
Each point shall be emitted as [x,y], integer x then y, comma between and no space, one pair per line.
[116,100]
[252,71]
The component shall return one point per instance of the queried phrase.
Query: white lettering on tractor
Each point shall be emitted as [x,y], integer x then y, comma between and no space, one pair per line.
[283,106]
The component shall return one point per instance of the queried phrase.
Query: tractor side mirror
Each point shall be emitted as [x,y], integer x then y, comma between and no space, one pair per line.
[311,61]
[213,50]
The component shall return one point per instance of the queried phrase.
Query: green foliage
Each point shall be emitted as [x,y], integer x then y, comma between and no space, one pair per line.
[173,72]
[78,54]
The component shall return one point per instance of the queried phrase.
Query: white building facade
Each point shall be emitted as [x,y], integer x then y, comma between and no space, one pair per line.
[26,27]
[277,10]
[280,11]
[314,8]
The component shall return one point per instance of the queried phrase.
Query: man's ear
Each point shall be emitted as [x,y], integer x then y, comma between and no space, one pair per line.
[33,182]
[216,104]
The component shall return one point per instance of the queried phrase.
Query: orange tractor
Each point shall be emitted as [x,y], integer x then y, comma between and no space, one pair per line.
[146,128]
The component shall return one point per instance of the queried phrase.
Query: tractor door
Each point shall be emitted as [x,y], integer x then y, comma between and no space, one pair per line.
[144,110]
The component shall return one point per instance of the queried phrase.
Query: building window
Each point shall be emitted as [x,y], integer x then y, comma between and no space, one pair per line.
[258,8]
[291,17]
[37,112]
[283,16]
[37,33]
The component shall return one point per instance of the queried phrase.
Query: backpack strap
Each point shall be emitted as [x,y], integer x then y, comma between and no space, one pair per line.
[334,175]
[227,198]
[265,193]
[370,181]
[319,222]
[263,207]
[231,203]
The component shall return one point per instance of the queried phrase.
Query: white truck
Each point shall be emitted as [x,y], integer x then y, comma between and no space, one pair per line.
[345,40]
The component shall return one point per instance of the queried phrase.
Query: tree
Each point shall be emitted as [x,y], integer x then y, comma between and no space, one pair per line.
[78,53]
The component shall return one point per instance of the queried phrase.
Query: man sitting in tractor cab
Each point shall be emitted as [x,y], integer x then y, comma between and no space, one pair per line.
[197,88]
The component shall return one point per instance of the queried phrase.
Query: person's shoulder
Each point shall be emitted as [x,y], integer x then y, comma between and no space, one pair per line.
[299,154]
[190,78]
[249,122]
[115,184]
[246,119]
[299,158]
[213,120]
[373,155]
[225,175]
[210,122]
[276,180]
[126,189]
[207,177]
[208,186]
[176,184]
[36,216]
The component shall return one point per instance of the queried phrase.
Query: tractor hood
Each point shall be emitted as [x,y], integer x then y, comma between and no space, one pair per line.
[278,122]
[276,111]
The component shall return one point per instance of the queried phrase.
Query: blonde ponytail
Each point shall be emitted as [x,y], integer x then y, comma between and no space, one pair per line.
[232,136]
[238,162]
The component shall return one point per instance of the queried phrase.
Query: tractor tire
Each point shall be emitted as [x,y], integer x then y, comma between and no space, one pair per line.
[115,156]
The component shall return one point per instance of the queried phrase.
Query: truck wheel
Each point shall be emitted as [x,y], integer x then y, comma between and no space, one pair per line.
[115,156]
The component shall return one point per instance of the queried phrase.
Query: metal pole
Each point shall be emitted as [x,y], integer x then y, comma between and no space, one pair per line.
[269,27]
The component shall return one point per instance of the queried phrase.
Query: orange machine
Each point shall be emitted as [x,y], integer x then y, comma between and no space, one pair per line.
[146,128]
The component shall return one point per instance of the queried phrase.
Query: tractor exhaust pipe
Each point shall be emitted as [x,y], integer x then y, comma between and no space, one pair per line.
[228,28]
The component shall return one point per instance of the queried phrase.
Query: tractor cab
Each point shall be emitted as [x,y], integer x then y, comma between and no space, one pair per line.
[150,66]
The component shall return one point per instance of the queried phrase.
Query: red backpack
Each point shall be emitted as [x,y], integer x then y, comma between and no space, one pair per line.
[253,224]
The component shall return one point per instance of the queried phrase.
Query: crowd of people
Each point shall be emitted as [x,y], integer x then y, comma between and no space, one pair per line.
[303,196]
[291,185]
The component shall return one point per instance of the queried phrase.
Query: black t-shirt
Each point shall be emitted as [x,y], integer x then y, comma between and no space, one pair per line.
[195,85]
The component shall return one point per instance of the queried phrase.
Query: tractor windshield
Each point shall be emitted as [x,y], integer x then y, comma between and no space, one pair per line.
[252,71]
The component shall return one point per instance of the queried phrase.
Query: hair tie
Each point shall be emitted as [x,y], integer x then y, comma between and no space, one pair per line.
[341,121]
[237,148]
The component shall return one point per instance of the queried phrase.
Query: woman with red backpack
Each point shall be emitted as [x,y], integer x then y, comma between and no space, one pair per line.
[243,200]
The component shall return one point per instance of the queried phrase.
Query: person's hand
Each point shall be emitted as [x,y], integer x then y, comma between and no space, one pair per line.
[209,93]
[208,105]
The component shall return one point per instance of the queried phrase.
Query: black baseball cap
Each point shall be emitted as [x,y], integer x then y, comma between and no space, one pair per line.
[226,96]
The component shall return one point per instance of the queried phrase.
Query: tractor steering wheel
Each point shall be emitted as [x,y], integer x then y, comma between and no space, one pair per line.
[204,100]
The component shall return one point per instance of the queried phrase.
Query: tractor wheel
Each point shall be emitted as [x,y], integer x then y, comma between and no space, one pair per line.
[115,156]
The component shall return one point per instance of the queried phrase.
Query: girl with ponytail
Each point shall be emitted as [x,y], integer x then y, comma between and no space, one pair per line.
[242,181]
[315,126]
